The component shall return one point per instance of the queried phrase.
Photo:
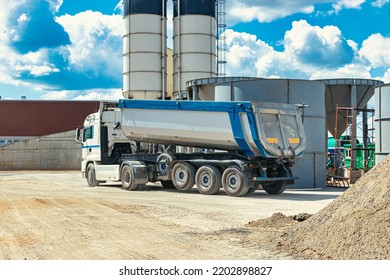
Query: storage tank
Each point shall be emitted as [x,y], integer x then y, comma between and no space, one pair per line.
[194,41]
[311,168]
[144,49]
[204,88]
[382,122]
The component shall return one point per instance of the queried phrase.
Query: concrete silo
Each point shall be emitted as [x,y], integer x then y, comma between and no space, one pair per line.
[144,49]
[194,41]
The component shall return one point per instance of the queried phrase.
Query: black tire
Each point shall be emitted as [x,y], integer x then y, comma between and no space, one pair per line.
[234,182]
[164,161]
[275,188]
[167,184]
[91,175]
[127,178]
[279,186]
[183,176]
[208,180]
[255,188]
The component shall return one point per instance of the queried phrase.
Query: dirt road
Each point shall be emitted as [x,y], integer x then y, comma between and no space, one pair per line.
[54,215]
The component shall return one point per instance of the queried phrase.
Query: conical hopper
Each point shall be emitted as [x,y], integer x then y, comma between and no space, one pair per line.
[340,92]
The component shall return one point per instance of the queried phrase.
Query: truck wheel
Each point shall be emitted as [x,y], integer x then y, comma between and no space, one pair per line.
[255,188]
[164,161]
[183,176]
[279,186]
[167,184]
[127,178]
[91,176]
[208,179]
[275,188]
[234,182]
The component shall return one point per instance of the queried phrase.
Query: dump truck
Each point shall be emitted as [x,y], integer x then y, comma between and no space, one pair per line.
[236,146]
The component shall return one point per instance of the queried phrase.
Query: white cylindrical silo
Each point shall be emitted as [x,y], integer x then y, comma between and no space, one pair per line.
[382,122]
[194,41]
[144,49]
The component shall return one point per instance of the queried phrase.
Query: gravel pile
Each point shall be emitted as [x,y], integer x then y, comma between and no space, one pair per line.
[354,226]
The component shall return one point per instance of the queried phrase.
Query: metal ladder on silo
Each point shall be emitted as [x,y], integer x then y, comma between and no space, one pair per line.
[221,38]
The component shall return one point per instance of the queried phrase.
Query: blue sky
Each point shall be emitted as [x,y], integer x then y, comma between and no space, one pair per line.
[72,49]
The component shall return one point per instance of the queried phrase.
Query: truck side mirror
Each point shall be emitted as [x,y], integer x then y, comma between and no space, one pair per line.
[78,138]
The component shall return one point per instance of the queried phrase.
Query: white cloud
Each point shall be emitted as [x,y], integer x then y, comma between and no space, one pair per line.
[386,76]
[348,4]
[380,3]
[37,70]
[267,11]
[55,5]
[347,71]
[119,6]
[96,42]
[376,50]
[22,18]
[96,94]
[310,52]
[243,50]
[317,46]
[5,7]
[95,55]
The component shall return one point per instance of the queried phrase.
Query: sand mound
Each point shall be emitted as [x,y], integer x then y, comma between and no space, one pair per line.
[354,226]
[279,221]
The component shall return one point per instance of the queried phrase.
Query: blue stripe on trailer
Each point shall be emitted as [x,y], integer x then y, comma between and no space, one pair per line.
[205,106]
[230,107]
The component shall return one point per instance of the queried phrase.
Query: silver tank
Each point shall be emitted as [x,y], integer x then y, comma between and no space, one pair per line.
[194,41]
[144,49]
[382,122]
[311,167]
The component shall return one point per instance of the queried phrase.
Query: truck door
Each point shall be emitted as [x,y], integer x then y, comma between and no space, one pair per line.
[90,145]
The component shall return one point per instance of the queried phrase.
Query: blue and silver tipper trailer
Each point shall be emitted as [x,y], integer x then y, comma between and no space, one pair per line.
[237,146]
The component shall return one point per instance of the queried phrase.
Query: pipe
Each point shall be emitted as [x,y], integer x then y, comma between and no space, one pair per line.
[179,44]
[163,51]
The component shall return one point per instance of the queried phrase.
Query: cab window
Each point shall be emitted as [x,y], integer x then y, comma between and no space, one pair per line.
[88,133]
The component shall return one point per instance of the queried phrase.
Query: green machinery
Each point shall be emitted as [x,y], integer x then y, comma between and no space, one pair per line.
[343,153]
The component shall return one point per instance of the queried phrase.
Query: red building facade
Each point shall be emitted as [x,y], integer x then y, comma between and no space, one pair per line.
[26,118]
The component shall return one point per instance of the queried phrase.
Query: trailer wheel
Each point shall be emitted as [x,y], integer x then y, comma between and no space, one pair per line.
[167,184]
[127,178]
[208,179]
[164,161]
[91,176]
[279,186]
[275,188]
[234,182]
[255,188]
[183,176]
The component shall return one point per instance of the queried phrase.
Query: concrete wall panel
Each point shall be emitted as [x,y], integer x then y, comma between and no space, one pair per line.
[52,152]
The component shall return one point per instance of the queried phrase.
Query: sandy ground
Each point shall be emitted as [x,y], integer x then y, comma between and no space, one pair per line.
[55,215]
